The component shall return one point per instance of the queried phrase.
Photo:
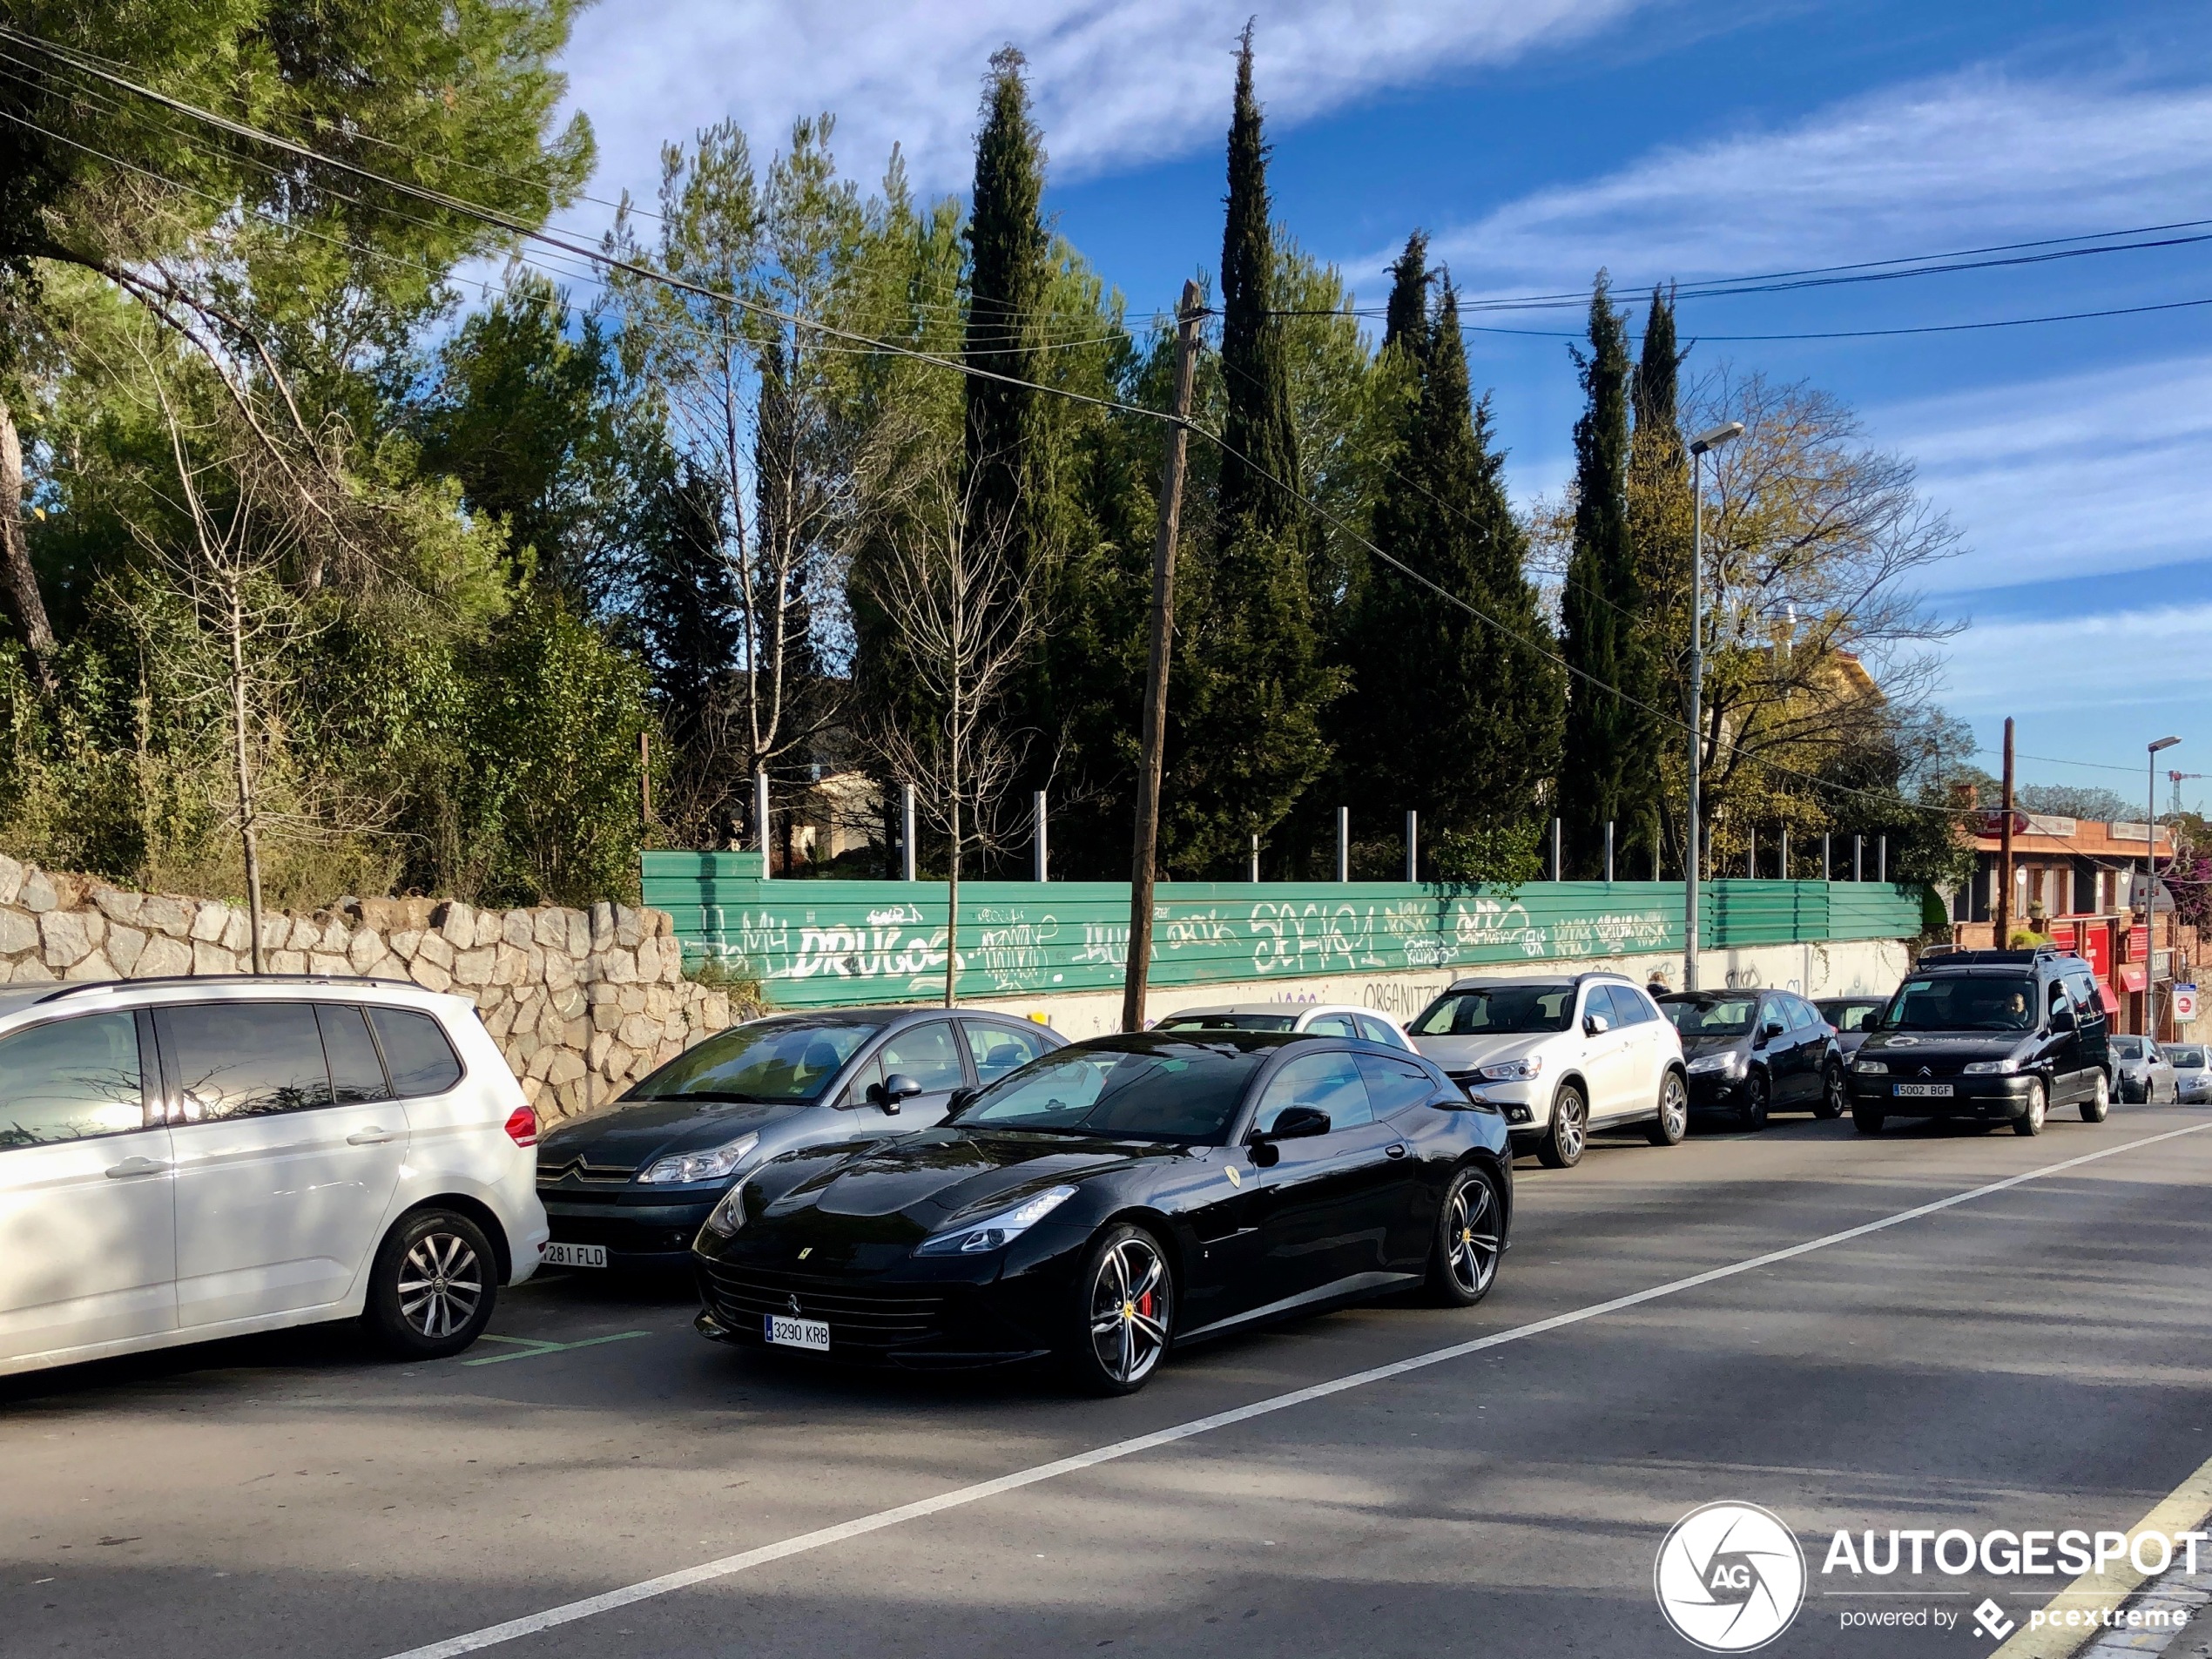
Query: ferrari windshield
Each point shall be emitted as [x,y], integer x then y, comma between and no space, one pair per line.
[1186,1092]
[1497,1010]
[1964,1002]
[770,1061]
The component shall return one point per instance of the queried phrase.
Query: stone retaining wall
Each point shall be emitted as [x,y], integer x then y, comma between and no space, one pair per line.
[583,1002]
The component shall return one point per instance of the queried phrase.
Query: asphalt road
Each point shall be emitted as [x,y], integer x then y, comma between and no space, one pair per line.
[2039,1355]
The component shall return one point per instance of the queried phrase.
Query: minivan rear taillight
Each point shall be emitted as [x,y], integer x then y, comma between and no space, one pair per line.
[521,1126]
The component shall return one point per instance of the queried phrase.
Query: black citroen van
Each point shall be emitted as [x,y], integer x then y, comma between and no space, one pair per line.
[2001,1035]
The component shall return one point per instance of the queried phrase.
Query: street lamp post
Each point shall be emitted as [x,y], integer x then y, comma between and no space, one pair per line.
[1698,447]
[2151,895]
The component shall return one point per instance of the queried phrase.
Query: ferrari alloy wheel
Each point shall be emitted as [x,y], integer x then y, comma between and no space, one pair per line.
[431,1290]
[1470,1237]
[1129,1311]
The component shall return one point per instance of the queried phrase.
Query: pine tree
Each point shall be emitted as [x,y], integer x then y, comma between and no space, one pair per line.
[1659,532]
[1008,273]
[1246,737]
[1429,679]
[1598,607]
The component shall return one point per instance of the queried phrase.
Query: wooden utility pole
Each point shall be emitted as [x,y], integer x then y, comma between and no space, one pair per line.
[2005,850]
[1154,737]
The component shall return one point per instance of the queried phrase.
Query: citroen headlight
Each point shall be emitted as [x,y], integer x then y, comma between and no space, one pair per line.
[972,1237]
[711,1165]
[1870,1068]
[1513,1071]
[1729,1062]
[728,1215]
[1985,1067]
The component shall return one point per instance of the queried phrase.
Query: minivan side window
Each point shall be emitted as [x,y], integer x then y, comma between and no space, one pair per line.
[356,1074]
[244,1059]
[417,1052]
[70,1080]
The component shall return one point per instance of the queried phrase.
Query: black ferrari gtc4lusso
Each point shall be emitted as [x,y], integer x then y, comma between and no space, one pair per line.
[1115,1199]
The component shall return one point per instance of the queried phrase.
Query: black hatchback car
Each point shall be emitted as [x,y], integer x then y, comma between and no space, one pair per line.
[1124,1195]
[1999,1035]
[1752,1052]
[628,1186]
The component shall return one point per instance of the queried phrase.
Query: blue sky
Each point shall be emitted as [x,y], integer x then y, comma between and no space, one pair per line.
[1539,139]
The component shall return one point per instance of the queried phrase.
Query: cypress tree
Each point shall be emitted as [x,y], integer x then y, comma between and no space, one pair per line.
[1008,248]
[1429,679]
[1405,324]
[1245,740]
[1598,609]
[1659,531]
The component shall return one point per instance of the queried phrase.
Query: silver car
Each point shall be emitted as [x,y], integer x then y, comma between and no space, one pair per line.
[628,1186]
[2192,1073]
[2144,1074]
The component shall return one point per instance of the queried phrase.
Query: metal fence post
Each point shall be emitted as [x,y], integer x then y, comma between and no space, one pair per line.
[1254,855]
[909,860]
[760,823]
[1751,853]
[1038,807]
[1857,856]
[1881,857]
[1343,843]
[1558,869]
[1784,871]
[1827,865]
[1608,850]
[1412,845]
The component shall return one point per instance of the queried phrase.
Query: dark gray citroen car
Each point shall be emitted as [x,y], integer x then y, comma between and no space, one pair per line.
[628,1186]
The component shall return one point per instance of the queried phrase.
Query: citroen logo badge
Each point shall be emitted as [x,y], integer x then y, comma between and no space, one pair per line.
[1924,1072]
[794,1305]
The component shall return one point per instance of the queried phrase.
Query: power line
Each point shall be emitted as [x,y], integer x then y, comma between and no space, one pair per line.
[518,228]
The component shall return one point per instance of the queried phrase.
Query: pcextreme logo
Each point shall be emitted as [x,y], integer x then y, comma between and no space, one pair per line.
[1729,1577]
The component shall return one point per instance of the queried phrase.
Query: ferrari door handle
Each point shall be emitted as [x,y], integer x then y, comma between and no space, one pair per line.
[1396,1149]
[130,1167]
[370,1137]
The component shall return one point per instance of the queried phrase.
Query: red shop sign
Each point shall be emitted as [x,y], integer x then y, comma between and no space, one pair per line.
[2096,947]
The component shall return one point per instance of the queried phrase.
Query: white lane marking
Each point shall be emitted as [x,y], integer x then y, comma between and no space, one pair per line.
[607,1602]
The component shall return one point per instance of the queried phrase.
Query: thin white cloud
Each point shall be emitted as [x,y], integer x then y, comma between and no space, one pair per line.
[1115,81]
[1979,156]
[2077,475]
[2022,667]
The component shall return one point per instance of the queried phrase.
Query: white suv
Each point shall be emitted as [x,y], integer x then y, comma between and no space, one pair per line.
[1561,1057]
[186,1159]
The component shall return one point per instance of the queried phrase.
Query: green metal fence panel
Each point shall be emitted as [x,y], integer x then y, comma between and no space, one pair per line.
[812,943]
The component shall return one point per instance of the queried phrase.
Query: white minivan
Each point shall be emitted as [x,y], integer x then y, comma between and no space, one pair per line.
[192,1158]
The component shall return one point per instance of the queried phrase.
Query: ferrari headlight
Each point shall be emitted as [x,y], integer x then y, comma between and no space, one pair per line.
[710,1165]
[972,1237]
[1985,1068]
[1513,1071]
[727,1216]
[1728,1061]
[1870,1068]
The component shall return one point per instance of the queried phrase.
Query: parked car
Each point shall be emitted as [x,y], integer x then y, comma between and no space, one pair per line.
[1561,1057]
[188,1159]
[628,1186]
[1116,1200]
[1852,1016]
[1998,1035]
[2192,1073]
[1750,1053]
[1314,1019]
[2145,1071]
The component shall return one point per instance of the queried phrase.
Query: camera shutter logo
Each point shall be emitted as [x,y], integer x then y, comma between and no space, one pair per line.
[1729,1577]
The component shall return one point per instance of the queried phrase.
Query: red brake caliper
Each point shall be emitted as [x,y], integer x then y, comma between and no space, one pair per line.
[1144,1306]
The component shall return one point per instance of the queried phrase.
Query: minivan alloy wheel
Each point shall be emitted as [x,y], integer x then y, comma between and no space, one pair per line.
[440,1286]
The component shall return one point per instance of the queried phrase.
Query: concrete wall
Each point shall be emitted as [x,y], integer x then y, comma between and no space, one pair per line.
[1837,968]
